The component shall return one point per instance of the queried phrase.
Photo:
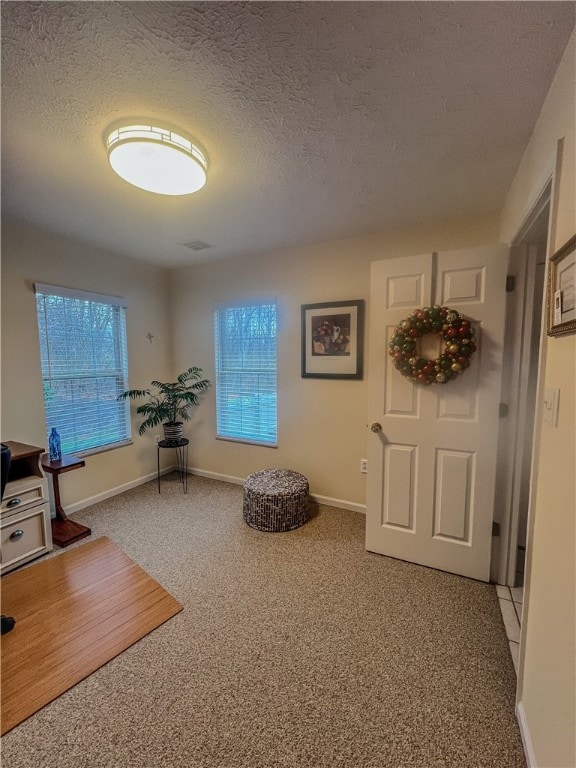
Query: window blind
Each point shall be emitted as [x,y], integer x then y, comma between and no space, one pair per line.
[84,367]
[245,339]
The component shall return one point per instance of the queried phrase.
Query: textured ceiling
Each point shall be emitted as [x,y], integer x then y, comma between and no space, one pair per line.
[321,120]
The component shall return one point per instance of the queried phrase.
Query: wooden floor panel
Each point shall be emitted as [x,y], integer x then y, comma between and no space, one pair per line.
[74,613]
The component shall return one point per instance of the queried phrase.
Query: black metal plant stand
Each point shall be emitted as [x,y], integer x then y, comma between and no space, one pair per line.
[181,448]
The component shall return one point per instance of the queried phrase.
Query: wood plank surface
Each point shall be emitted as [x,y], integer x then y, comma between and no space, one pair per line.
[74,612]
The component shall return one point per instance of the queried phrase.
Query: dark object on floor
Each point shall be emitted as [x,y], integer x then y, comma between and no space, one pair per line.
[276,500]
[7,624]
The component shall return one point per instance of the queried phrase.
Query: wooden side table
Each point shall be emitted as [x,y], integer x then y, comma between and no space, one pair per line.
[64,530]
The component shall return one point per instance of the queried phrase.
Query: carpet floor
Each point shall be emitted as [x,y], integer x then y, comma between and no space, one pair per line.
[294,650]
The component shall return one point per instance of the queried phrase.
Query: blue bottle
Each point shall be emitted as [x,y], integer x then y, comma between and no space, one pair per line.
[54,445]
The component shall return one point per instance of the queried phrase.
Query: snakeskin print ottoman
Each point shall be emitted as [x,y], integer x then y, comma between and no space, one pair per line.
[275,500]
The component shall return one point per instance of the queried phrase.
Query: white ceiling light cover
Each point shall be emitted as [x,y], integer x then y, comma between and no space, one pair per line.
[156,159]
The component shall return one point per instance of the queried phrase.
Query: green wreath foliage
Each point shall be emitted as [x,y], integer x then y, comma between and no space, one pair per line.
[457,332]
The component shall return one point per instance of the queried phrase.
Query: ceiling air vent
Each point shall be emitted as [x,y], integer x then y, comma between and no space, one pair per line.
[197,245]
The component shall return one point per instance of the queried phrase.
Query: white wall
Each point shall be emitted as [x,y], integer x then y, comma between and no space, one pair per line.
[321,423]
[547,682]
[29,256]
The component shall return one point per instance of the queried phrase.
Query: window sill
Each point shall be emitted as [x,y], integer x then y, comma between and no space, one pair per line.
[102,449]
[245,440]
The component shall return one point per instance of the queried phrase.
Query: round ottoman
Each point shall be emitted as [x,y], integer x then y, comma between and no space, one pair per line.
[275,500]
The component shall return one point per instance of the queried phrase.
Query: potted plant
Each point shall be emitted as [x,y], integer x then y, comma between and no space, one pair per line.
[169,403]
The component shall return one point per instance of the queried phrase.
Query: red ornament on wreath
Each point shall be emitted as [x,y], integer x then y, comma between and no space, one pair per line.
[457,332]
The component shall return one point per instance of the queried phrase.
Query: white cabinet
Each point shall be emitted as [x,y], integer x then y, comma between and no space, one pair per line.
[25,510]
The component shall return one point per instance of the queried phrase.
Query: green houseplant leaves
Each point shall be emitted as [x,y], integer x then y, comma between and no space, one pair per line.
[169,402]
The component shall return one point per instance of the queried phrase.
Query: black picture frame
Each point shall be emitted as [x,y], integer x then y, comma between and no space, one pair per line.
[333,340]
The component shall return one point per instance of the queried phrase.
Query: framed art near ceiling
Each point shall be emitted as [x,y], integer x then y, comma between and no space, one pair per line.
[562,290]
[333,340]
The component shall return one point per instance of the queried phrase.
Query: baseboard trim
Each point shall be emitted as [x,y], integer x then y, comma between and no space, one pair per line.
[525,733]
[216,476]
[73,508]
[351,506]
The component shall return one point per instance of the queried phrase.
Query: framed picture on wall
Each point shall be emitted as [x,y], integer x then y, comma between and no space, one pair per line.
[333,340]
[562,290]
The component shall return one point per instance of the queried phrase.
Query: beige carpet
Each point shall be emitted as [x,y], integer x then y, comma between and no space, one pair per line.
[294,650]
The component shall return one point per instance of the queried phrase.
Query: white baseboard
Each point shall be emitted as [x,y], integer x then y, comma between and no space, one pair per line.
[216,476]
[352,506]
[72,508]
[525,733]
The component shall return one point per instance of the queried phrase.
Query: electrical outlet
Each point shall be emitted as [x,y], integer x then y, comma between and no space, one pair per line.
[364,466]
[157,439]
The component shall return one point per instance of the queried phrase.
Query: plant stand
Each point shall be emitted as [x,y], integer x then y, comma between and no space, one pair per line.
[181,448]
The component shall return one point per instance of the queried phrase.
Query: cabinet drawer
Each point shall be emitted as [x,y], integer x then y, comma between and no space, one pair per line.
[25,535]
[22,494]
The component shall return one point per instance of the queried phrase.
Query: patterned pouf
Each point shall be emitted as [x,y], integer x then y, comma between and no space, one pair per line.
[276,500]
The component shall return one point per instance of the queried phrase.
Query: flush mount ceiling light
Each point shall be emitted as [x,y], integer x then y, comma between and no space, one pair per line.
[156,159]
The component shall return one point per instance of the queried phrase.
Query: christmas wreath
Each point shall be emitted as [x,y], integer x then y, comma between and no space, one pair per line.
[457,332]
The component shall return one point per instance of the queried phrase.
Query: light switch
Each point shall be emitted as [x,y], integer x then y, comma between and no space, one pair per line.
[551,398]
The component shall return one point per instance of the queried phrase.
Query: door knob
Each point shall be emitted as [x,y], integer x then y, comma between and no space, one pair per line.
[376,427]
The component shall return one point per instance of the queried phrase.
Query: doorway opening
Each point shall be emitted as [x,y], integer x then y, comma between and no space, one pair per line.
[522,338]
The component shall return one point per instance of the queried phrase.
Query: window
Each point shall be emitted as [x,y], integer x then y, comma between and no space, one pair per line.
[84,367]
[246,373]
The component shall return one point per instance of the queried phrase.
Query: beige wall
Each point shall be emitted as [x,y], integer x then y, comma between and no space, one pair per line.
[548,662]
[30,256]
[325,447]
[321,423]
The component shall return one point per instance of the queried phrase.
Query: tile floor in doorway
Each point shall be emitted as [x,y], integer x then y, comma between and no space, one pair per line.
[510,599]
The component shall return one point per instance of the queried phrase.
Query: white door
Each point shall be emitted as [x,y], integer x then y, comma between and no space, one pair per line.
[432,467]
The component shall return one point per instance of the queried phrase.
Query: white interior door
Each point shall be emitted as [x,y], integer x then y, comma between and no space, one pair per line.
[432,468]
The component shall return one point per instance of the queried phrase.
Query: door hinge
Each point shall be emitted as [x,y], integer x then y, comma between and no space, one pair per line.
[495,529]
[503,410]
[510,283]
